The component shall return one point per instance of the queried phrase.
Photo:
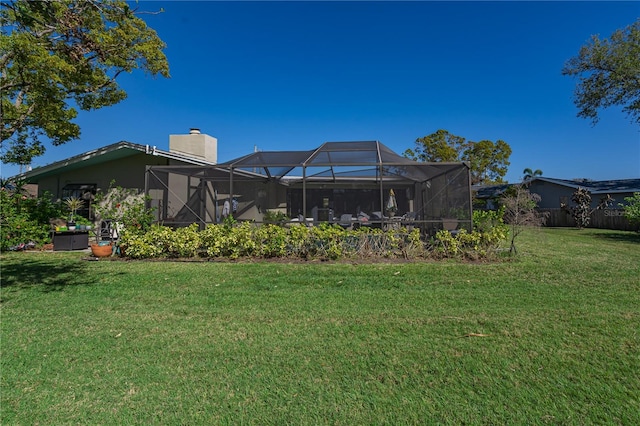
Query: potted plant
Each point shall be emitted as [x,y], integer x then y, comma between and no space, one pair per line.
[124,210]
[83,224]
[73,204]
[102,249]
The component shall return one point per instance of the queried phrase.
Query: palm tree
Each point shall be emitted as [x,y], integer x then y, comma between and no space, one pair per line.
[530,174]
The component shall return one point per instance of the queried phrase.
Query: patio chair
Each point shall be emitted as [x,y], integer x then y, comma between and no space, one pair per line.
[408,218]
[346,221]
[108,231]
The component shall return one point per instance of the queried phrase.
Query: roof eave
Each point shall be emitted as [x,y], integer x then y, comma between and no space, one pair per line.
[49,169]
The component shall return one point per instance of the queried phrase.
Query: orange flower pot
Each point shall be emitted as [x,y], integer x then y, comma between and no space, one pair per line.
[101,251]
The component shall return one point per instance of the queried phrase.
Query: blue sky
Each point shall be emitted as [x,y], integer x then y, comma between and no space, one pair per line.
[292,75]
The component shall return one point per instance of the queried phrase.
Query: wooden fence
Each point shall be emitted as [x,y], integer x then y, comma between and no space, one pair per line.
[602,219]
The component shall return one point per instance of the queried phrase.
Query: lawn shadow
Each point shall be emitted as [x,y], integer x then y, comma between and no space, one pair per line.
[49,274]
[622,236]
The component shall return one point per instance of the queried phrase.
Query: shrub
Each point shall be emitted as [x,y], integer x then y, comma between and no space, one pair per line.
[299,241]
[213,239]
[581,211]
[326,241]
[489,233]
[632,209]
[124,206]
[185,242]
[23,218]
[520,212]
[144,245]
[275,216]
[272,240]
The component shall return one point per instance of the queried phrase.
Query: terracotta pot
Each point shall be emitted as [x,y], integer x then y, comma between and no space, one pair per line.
[101,251]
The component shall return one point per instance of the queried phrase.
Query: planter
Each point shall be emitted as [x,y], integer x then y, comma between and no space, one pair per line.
[101,250]
[449,224]
[71,226]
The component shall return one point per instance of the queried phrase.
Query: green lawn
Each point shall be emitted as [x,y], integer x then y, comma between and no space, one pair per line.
[558,339]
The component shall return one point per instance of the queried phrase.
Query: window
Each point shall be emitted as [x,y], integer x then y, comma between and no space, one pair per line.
[84,191]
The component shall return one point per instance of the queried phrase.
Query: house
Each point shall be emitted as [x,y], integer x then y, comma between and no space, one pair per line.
[557,192]
[122,162]
[338,182]
[334,182]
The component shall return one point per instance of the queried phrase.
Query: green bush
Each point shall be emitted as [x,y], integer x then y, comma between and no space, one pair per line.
[272,240]
[485,220]
[213,239]
[125,206]
[488,234]
[25,219]
[275,216]
[632,209]
[145,245]
[246,239]
[185,242]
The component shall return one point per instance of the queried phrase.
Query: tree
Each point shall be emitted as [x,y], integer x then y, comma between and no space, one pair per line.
[582,210]
[520,212]
[609,72]
[530,174]
[632,209]
[438,146]
[57,56]
[488,160]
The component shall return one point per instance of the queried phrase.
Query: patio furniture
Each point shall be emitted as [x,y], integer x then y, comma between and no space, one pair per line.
[70,240]
[346,221]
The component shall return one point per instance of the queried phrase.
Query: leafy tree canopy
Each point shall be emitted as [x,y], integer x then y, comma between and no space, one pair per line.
[57,56]
[609,74]
[488,160]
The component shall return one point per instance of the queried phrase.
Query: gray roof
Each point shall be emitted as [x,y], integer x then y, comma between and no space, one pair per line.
[338,159]
[111,152]
[614,186]
[596,186]
[490,191]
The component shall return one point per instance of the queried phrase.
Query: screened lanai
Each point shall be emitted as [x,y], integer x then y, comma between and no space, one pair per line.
[351,184]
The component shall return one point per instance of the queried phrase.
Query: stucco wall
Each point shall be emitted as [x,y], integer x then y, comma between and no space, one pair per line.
[197,145]
[127,173]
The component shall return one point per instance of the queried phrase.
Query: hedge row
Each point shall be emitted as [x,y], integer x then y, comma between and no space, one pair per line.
[247,239]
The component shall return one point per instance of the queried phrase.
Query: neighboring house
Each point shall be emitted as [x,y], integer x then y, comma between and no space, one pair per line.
[122,162]
[556,192]
[486,197]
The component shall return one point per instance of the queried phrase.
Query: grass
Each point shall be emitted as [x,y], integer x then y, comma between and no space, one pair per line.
[556,339]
